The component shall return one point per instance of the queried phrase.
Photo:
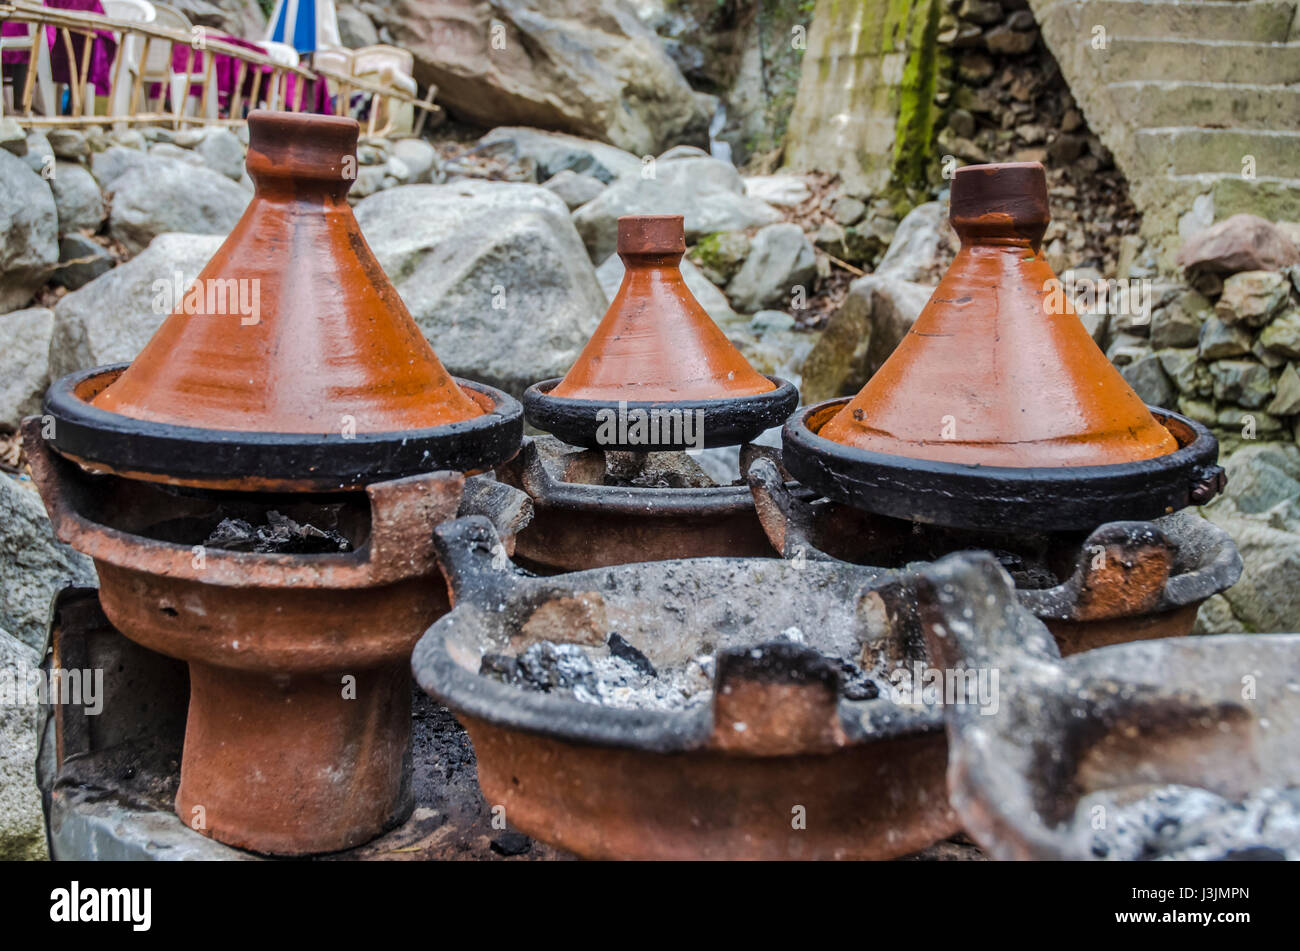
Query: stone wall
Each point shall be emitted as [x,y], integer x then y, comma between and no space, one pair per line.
[866,106]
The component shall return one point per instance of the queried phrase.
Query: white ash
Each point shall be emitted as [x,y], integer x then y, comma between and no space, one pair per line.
[599,675]
[620,676]
[1186,823]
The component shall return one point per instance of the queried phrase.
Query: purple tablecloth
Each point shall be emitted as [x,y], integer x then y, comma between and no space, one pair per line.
[100,71]
[226,69]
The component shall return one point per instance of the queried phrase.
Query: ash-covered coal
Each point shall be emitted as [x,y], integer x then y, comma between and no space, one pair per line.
[1186,823]
[655,470]
[619,675]
[280,535]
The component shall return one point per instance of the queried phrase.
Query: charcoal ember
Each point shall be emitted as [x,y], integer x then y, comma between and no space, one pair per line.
[855,683]
[501,667]
[1186,823]
[547,666]
[511,843]
[281,535]
[619,647]
[232,534]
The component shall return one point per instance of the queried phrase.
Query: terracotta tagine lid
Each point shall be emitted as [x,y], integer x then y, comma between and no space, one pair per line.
[656,343]
[657,351]
[998,370]
[290,364]
[292,327]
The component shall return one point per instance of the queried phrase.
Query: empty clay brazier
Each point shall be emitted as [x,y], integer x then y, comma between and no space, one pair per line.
[257,491]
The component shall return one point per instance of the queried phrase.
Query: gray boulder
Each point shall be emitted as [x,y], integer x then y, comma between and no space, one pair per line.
[1178,323]
[39,156]
[1149,381]
[24,362]
[714,302]
[494,273]
[1243,382]
[81,260]
[420,158]
[69,144]
[781,259]
[1240,243]
[553,152]
[707,192]
[1219,340]
[573,188]
[112,318]
[114,162]
[222,152]
[22,823]
[12,137]
[783,191]
[1252,297]
[162,195]
[29,232]
[914,254]
[77,198]
[33,566]
[1261,511]
[876,315]
[588,67]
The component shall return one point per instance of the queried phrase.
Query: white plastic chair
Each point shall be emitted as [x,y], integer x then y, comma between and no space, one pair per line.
[284,55]
[336,59]
[129,49]
[43,99]
[390,66]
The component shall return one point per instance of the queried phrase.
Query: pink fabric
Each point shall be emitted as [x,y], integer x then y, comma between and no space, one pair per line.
[226,69]
[100,71]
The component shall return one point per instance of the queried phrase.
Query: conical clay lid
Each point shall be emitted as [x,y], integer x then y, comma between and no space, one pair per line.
[292,327]
[998,370]
[656,343]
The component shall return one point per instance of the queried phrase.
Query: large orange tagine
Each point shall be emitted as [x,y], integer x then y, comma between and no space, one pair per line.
[998,369]
[656,342]
[292,327]
[290,364]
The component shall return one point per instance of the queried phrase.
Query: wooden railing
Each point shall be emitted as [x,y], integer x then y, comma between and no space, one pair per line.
[274,84]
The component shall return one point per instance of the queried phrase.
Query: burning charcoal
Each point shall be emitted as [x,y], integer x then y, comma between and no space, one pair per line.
[283,535]
[511,843]
[232,534]
[855,684]
[547,666]
[1187,823]
[502,667]
[619,647]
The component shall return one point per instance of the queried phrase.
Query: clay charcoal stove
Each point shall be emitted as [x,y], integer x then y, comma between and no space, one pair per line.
[998,424]
[690,708]
[613,483]
[1188,746]
[257,489]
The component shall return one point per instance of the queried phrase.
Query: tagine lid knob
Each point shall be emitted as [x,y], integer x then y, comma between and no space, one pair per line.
[655,342]
[292,326]
[997,369]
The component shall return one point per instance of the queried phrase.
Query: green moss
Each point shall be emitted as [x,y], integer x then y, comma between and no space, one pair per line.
[917,111]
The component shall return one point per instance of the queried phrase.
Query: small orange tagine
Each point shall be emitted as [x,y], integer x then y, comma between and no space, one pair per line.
[657,348]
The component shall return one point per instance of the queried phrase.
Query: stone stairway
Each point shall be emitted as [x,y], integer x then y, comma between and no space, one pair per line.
[1199,101]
